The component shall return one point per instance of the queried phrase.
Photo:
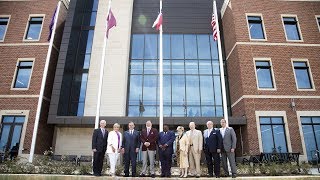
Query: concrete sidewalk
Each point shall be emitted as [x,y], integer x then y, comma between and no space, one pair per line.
[83,177]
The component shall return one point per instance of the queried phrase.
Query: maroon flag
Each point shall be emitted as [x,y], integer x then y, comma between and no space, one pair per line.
[52,23]
[214,27]
[158,22]
[111,21]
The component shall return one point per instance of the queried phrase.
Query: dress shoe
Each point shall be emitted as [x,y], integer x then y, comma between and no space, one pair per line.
[217,176]
[197,176]
[133,175]
[162,175]
[126,175]
[153,176]
[142,175]
[234,175]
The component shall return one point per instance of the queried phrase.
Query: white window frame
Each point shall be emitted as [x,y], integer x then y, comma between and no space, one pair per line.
[5,32]
[304,157]
[273,114]
[16,70]
[272,74]
[298,26]
[318,17]
[310,74]
[24,113]
[263,27]
[26,29]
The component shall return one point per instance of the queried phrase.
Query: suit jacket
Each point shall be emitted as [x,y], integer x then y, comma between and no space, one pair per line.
[196,140]
[113,141]
[167,139]
[98,141]
[152,139]
[130,142]
[213,142]
[229,139]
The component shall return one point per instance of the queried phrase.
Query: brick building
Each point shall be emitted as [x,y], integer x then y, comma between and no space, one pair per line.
[272,57]
[24,30]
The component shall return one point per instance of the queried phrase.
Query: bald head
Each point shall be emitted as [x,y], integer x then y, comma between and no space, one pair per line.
[103,123]
[148,124]
[210,124]
[192,125]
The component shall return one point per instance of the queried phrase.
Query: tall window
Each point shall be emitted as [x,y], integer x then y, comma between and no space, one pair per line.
[302,75]
[3,27]
[264,74]
[191,81]
[318,22]
[34,28]
[311,133]
[273,134]
[291,28]
[75,77]
[11,128]
[256,27]
[23,74]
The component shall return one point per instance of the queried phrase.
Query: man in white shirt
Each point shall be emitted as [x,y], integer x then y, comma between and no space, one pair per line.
[229,140]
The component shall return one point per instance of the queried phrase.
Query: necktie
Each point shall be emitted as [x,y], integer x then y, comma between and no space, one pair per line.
[148,131]
[118,139]
[131,132]
[209,132]
[103,132]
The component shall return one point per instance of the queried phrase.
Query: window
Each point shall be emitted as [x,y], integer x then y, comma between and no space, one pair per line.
[191,78]
[311,133]
[291,26]
[11,128]
[3,27]
[318,21]
[34,28]
[264,75]
[273,134]
[302,75]
[256,27]
[23,74]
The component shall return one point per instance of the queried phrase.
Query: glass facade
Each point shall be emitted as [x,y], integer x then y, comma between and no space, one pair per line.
[311,133]
[34,28]
[291,28]
[256,27]
[273,134]
[191,80]
[74,84]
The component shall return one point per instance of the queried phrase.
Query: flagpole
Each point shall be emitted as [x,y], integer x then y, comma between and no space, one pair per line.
[96,124]
[43,84]
[223,85]
[161,76]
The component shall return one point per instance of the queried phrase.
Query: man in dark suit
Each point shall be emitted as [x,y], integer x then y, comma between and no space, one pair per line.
[99,146]
[130,148]
[165,142]
[149,138]
[212,148]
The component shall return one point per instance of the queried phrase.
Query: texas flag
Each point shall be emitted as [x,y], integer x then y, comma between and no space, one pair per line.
[158,22]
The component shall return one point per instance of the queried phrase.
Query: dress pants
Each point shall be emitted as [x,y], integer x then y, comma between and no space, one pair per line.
[165,159]
[98,162]
[130,156]
[231,158]
[194,161]
[216,157]
[113,158]
[145,155]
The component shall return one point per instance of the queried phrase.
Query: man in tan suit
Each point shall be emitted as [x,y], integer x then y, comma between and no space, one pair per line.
[195,142]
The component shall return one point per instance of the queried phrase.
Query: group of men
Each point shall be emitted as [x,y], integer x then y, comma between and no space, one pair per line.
[214,142]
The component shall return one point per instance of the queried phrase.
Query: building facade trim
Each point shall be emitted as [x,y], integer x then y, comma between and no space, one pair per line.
[272,97]
[309,71]
[26,29]
[272,74]
[5,32]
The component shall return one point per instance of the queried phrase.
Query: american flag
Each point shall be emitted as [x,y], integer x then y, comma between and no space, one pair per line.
[214,27]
